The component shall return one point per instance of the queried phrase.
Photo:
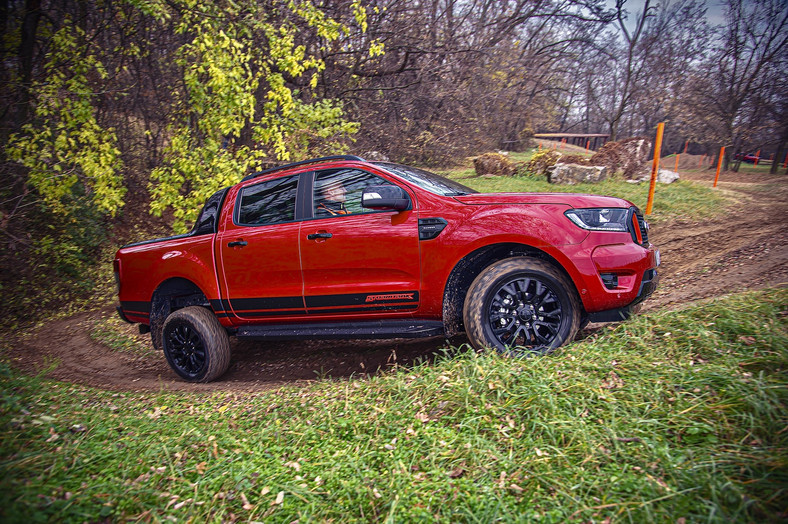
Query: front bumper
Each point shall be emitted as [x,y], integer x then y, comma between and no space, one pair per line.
[647,286]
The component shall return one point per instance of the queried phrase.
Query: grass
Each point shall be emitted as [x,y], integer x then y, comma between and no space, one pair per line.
[668,416]
[678,200]
[117,335]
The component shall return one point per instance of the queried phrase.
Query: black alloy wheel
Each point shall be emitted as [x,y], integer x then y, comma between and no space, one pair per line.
[521,306]
[195,344]
[186,350]
[525,313]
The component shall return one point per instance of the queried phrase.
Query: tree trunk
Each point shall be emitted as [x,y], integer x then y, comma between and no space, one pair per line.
[26,50]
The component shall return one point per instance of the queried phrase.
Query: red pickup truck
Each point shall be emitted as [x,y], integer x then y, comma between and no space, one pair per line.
[339,247]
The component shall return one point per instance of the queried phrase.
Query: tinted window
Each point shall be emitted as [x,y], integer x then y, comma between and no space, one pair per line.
[270,202]
[338,191]
[206,222]
[427,180]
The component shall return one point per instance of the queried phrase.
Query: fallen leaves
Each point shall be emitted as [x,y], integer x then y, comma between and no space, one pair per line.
[613,381]
[457,472]
[157,412]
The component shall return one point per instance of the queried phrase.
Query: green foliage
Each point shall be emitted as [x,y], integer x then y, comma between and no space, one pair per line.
[66,149]
[671,416]
[73,162]
[541,162]
[231,87]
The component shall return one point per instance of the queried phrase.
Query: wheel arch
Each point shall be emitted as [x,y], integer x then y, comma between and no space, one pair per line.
[471,265]
[171,295]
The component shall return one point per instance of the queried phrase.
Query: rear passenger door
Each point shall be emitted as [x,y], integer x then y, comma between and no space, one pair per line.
[258,251]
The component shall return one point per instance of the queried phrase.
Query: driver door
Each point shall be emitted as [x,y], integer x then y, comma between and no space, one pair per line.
[359,262]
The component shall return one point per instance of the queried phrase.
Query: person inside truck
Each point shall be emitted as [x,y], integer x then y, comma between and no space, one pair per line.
[332,200]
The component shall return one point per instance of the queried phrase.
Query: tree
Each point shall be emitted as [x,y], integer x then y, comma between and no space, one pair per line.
[161,101]
[641,62]
[458,77]
[743,80]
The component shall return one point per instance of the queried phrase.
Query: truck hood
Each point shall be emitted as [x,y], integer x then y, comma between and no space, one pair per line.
[570,199]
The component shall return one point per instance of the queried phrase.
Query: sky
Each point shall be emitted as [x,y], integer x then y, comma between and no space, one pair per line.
[715,12]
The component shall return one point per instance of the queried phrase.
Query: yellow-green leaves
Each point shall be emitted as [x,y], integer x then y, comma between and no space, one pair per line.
[65,148]
[238,68]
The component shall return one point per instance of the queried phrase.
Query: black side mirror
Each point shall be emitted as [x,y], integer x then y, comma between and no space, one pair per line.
[385,197]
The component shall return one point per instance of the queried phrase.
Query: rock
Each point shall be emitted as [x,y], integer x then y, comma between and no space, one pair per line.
[628,156]
[493,164]
[666,176]
[571,174]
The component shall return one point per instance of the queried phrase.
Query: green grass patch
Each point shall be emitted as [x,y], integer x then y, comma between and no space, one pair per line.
[681,199]
[668,416]
[117,335]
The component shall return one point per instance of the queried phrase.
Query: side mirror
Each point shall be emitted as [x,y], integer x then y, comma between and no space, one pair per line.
[385,197]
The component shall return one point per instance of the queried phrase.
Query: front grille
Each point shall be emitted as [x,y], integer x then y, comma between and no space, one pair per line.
[642,226]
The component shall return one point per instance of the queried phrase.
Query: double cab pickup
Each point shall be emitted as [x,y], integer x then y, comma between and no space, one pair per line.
[339,247]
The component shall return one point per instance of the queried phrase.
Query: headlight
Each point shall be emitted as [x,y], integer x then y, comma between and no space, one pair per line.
[599,219]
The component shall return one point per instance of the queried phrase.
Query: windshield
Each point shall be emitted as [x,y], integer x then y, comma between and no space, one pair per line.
[426,180]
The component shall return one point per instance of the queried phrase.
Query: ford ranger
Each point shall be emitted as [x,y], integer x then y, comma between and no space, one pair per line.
[339,247]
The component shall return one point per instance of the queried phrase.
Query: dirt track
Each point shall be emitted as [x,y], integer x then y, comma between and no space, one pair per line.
[745,249]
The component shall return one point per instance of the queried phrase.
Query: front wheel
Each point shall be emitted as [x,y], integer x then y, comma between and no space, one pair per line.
[195,344]
[521,305]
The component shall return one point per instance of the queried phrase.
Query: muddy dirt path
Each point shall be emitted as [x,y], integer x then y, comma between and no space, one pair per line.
[747,248]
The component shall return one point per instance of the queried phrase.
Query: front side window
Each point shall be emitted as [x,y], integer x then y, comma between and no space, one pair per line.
[270,202]
[426,180]
[338,191]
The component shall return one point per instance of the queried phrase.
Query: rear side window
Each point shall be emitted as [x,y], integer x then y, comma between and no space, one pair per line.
[206,222]
[269,202]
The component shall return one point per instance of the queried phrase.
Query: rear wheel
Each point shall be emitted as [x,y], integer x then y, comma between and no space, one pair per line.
[521,306]
[195,344]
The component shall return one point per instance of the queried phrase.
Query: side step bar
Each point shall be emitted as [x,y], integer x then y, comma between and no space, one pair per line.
[404,328]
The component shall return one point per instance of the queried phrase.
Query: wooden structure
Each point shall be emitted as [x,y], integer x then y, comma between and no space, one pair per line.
[579,139]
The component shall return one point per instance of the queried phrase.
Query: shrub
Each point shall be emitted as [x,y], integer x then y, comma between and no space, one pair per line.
[542,161]
[493,164]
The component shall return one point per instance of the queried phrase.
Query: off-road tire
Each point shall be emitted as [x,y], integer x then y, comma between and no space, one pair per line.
[196,346]
[521,306]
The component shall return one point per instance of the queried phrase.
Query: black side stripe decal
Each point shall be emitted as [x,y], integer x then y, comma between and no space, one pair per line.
[322,304]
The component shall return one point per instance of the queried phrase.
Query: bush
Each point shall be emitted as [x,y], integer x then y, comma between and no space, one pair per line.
[542,161]
[493,164]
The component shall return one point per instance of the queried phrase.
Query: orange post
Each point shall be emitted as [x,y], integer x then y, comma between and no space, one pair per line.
[757,157]
[785,164]
[655,167]
[719,165]
[677,162]
[588,144]
[686,145]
